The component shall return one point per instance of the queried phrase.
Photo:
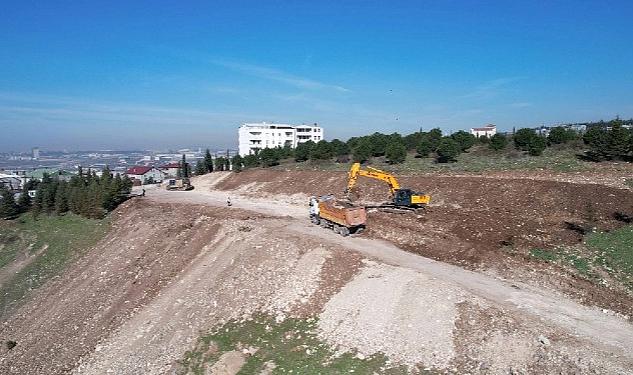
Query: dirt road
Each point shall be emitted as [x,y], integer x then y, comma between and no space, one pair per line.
[592,324]
[169,273]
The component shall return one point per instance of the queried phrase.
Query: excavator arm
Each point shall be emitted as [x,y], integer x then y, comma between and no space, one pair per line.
[374,173]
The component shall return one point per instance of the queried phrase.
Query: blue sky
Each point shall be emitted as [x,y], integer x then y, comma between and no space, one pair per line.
[157,74]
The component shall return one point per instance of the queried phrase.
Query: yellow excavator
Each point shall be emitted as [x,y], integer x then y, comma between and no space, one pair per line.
[401,198]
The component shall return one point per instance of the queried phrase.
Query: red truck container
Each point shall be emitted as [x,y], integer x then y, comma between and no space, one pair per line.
[341,217]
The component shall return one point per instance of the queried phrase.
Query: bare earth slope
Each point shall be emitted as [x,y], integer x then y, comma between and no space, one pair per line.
[169,271]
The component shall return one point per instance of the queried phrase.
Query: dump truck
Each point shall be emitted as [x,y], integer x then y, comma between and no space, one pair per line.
[342,217]
[178,184]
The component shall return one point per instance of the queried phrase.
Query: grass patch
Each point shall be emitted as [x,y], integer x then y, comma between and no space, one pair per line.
[615,251]
[291,345]
[57,240]
[546,255]
[608,251]
[566,257]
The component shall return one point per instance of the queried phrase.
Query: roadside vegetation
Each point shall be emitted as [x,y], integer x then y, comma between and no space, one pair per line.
[289,347]
[33,251]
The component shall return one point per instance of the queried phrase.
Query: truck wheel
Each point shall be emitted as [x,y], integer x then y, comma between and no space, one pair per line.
[344,231]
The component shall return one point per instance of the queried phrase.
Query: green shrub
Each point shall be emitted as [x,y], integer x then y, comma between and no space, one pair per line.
[447,150]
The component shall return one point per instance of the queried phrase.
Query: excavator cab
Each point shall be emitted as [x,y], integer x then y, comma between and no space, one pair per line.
[409,198]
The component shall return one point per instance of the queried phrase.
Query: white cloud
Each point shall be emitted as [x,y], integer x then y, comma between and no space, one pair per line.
[278,76]
[521,105]
[491,88]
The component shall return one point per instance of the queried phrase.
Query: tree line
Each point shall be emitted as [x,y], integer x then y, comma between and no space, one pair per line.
[615,143]
[209,164]
[85,194]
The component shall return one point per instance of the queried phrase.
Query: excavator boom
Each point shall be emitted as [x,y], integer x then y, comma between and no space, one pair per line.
[374,173]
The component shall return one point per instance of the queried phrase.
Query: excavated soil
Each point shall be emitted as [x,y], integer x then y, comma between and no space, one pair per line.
[487,223]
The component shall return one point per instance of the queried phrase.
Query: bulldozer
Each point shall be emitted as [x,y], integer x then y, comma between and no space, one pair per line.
[178,184]
[401,198]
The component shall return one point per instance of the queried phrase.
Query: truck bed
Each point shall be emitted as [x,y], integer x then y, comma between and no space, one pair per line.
[342,214]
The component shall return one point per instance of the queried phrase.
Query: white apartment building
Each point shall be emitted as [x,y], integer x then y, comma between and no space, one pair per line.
[486,131]
[256,136]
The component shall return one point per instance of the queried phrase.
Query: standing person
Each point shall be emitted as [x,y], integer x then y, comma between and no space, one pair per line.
[228,201]
[143,193]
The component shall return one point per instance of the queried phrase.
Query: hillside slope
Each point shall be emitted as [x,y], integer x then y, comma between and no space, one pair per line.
[177,267]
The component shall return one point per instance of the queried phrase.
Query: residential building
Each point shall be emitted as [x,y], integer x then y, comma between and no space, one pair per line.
[486,131]
[170,170]
[257,136]
[145,175]
[578,128]
[11,182]
[543,131]
[38,174]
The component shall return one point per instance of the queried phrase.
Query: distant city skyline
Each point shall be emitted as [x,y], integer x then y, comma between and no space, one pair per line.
[152,75]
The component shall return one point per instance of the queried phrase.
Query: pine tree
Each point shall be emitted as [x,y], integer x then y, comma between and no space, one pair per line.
[363,151]
[339,148]
[47,190]
[378,143]
[597,139]
[61,199]
[200,168]
[321,151]
[498,142]
[184,169]
[93,205]
[219,163]
[303,150]
[251,161]
[523,138]
[24,202]
[618,140]
[464,140]
[269,157]
[424,147]
[435,137]
[447,150]
[537,146]
[8,208]
[396,152]
[208,161]
[237,162]
[558,135]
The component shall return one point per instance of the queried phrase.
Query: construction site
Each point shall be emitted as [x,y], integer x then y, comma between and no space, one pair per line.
[273,271]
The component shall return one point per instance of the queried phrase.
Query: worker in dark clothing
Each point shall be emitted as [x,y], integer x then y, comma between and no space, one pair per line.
[228,201]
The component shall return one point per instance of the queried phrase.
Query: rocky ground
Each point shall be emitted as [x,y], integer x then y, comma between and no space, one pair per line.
[179,265]
[485,222]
